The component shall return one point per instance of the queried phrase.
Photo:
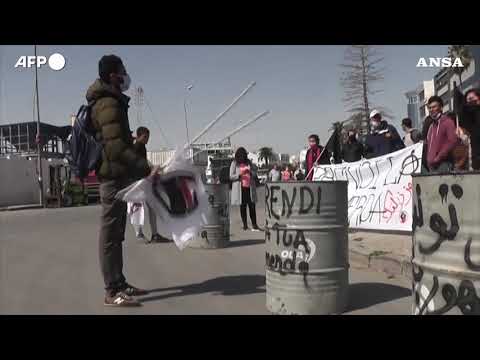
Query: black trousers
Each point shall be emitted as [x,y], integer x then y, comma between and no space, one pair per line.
[112,234]
[247,200]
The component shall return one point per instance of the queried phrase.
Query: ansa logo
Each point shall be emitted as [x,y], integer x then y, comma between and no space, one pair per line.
[439,62]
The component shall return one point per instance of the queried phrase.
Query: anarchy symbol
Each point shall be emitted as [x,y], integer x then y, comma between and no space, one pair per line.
[410,164]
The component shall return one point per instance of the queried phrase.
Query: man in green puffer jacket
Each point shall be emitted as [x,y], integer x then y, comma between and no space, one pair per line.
[120,165]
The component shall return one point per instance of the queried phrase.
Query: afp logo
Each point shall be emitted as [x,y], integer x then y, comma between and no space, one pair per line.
[439,62]
[55,61]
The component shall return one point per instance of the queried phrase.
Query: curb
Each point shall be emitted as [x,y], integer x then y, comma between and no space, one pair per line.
[21,207]
[388,264]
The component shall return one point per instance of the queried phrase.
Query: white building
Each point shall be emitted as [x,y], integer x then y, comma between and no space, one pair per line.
[283,158]
[417,108]
[303,158]
[427,93]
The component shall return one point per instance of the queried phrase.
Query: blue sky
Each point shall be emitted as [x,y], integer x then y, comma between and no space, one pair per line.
[300,85]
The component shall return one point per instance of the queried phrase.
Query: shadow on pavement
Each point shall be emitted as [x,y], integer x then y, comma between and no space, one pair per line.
[239,243]
[226,285]
[364,295]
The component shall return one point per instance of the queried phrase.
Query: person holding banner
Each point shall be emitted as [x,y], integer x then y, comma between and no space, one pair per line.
[383,139]
[313,155]
[120,163]
[461,152]
[352,150]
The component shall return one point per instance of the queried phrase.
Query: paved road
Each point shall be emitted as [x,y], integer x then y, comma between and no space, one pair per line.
[49,265]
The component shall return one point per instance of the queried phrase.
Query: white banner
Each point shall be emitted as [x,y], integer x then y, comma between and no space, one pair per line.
[379,189]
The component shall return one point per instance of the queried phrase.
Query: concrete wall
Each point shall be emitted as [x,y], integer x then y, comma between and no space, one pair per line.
[19,180]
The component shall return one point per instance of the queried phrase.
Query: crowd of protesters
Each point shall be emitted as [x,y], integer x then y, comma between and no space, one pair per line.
[293,172]
[451,141]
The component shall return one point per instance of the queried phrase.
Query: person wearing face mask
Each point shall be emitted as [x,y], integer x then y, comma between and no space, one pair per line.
[313,155]
[352,150]
[383,138]
[441,138]
[120,165]
[469,118]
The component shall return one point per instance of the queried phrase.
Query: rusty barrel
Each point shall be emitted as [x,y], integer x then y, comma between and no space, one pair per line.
[306,247]
[216,233]
[446,244]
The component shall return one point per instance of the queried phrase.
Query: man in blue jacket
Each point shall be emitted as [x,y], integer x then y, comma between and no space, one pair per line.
[383,138]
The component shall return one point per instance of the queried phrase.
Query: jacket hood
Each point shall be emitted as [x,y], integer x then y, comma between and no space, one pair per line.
[101,89]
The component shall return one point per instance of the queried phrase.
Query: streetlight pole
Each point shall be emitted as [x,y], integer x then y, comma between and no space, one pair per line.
[38,137]
[185,108]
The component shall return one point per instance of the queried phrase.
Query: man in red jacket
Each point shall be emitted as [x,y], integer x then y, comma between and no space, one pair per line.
[313,154]
[441,138]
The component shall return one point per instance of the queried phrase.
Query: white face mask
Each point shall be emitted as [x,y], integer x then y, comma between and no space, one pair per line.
[126,83]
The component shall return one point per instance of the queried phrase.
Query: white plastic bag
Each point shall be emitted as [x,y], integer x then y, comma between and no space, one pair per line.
[182,227]
[136,211]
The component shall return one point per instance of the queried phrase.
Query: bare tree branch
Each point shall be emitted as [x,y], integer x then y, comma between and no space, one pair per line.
[360,79]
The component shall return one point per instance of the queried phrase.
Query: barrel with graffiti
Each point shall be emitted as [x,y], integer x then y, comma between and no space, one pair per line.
[216,233]
[306,247]
[446,244]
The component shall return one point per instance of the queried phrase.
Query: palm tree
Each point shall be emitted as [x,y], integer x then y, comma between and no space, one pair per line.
[266,154]
[463,53]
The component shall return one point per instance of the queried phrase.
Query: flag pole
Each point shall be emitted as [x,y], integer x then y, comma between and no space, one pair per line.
[38,137]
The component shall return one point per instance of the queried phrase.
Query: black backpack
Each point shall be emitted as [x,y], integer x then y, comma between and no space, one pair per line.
[84,152]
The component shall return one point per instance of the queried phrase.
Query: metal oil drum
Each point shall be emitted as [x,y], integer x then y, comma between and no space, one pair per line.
[306,247]
[446,244]
[216,233]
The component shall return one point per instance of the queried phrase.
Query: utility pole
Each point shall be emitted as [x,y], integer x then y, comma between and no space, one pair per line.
[38,137]
[185,108]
